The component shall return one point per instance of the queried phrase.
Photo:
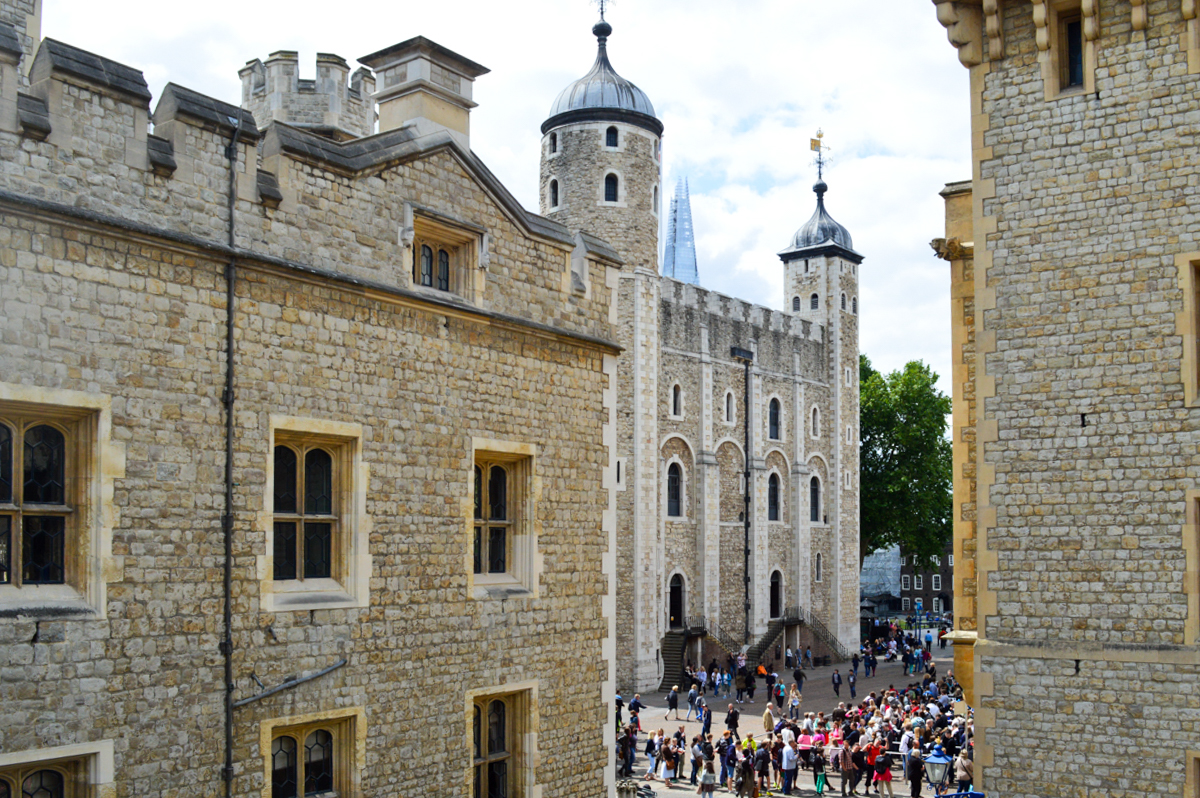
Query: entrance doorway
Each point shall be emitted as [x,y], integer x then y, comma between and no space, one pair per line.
[675,603]
[776,594]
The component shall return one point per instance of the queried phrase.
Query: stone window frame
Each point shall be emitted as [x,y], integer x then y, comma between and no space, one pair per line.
[1191,577]
[781,429]
[654,199]
[1055,13]
[729,418]
[773,474]
[854,306]
[1191,778]
[522,576]
[675,402]
[622,189]
[1187,325]
[522,710]
[615,130]
[819,568]
[553,146]
[814,302]
[350,743]
[684,515]
[553,193]
[815,422]
[88,768]
[349,585]
[466,245]
[821,519]
[843,301]
[796,304]
[94,463]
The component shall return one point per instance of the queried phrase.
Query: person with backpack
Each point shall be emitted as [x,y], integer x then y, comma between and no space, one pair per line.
[762,766]
[883,774]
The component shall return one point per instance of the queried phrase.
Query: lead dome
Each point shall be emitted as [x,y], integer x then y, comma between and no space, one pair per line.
[821,230]
[603,94]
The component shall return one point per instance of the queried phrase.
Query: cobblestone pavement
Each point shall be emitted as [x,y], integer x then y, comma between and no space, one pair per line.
[818,696]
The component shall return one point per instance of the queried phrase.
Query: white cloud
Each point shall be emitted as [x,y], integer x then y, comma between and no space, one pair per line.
[739,86]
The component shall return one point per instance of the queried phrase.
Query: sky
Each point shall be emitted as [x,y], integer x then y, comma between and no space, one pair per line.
[740,85]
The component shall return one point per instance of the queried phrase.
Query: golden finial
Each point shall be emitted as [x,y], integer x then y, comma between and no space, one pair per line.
[818,146]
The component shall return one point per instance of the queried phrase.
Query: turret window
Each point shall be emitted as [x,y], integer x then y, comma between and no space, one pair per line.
[553,143]
[843,301]
[814,500]
[610,137]
[553,193]
[814,302]
[795,304]
[854,306]
[611,186]
[773,414]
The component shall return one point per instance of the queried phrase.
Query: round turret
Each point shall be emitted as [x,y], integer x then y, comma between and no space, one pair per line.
[601,165]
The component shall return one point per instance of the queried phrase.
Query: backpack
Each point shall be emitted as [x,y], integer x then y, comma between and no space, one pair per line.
[884,763]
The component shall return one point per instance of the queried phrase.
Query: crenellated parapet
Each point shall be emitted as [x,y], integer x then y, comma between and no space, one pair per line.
[82,136]
[334,104]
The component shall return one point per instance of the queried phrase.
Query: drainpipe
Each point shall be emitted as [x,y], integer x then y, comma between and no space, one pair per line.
[226,646]
[746,357]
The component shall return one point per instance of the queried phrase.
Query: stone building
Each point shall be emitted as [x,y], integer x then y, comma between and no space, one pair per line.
[1074,255]
[712,543]
[299,431]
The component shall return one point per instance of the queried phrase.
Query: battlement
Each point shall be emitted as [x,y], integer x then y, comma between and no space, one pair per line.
[83,138]
[335,104]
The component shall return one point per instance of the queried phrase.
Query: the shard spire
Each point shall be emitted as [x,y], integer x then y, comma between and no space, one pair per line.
[679,259]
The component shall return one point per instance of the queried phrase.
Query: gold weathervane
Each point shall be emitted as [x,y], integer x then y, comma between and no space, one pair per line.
[603,5]
[818,146]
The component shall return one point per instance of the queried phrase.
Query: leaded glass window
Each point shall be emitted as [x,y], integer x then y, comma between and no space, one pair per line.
[311,760]
[493,754]
[43,784]
[674,490]
[305,507]
[611,192]
[318,762]
[773,498]
[35,515]
[425,267]
[493,522]
[443,273]
[611,137]
[285,769]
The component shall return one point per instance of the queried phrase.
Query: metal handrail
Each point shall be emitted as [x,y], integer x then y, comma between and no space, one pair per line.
[796,613]
[724,640]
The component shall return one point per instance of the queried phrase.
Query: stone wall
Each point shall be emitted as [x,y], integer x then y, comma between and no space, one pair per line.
[1085,433]
[114,288]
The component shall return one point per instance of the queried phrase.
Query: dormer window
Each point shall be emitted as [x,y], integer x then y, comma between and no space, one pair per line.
[611,193]
[610,137]
[444,256]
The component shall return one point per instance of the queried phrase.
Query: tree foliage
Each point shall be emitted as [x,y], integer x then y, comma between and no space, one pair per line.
[906,462]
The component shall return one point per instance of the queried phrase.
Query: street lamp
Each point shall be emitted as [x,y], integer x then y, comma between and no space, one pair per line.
[937,764]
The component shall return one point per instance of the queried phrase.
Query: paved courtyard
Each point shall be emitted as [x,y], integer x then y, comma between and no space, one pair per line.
[818,697]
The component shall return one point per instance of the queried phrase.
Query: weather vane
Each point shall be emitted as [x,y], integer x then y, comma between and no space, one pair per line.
[603,4]
[818,146]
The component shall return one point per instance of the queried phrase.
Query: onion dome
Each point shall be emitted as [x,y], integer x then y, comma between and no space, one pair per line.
[603,95]
[821,234]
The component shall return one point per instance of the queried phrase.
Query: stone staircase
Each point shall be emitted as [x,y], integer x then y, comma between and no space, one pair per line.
[672,655]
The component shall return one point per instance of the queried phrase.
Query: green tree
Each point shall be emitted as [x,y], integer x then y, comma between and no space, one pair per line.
[906,461]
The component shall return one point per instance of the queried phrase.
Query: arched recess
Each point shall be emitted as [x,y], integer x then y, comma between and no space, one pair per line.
[676,400]
[729,415]
[818,488]
[775,418]
[677,472]
[814,422]
[777,466]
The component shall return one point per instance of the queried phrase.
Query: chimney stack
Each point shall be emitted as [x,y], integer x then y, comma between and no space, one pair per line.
[423,84]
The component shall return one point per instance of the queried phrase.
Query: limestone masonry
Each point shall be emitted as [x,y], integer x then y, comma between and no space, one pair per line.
[1074,254]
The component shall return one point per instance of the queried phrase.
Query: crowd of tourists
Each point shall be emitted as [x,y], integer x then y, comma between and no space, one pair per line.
[864,744]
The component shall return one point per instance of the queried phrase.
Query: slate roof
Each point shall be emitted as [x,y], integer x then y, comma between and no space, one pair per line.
[55,57]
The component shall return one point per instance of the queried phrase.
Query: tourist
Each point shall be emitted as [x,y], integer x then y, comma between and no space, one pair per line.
[794,701]
[964,769]
[673,703]
[837,682]
[708,779]
[790,759]
[915,772]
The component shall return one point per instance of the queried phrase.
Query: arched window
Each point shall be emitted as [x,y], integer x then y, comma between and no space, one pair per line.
[773,420]
[610,137]
[729,407]
[492,519]
[820,568]
[816,423]
[318,762]
[553,193]
[553,142]
[796,303]
[443,275]
[776,594]
[814,302]
[854,306]
[610,188]
[676,401]
[814,500]
[42,784]
[773,498]
[676,606]
[656,199]
[425,273]
[674,491]
[843,301]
